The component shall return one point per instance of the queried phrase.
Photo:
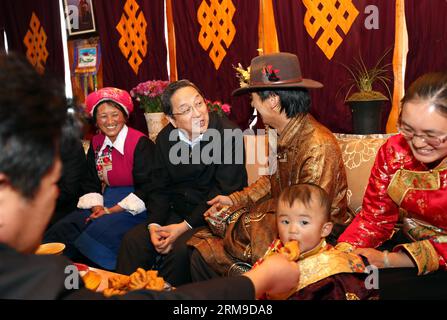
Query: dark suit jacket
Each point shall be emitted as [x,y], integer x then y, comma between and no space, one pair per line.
[73,168]
[183,189]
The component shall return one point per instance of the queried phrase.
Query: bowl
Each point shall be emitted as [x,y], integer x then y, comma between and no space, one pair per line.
[54,248]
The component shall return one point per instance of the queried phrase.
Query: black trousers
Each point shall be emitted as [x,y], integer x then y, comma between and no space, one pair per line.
[200,270]
[404,283]
[137,251]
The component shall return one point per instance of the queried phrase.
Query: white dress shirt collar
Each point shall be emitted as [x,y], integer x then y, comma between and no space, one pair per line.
[119,141]
[185,138]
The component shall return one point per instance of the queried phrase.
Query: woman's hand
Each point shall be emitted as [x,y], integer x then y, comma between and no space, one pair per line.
[216,204]
[375,257]
[97,212]
[97,208]
[385,259]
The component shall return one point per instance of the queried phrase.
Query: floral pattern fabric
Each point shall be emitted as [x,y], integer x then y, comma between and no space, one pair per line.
[103,164]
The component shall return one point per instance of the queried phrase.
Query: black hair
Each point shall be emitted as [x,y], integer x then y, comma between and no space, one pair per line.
[430,87]
[169,92]
[32,111]
[305,193]
[293,101]
[72,130]
[113,103]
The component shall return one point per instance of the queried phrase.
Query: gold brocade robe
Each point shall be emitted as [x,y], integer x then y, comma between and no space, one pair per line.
[326,273]
[307,153]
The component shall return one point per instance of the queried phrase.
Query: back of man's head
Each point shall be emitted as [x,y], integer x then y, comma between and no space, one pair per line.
[32,111]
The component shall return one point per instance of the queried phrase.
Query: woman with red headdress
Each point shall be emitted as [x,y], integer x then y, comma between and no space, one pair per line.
[115,185]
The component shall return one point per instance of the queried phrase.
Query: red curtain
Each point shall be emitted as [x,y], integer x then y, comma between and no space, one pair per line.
[427,38]
[116,70]
[2,29]
[2,43]
[328,103]
[17,15]
[194,63]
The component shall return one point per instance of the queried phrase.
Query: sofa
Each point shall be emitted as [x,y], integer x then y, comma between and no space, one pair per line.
[358,151]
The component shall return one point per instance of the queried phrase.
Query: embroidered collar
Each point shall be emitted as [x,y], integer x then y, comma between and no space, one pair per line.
[318,248]
[119,141]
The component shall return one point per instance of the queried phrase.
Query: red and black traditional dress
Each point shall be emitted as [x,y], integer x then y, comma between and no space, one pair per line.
[118,173]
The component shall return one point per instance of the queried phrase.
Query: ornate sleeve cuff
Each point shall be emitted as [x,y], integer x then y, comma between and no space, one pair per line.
[132,204]
[423,254]
[90,200]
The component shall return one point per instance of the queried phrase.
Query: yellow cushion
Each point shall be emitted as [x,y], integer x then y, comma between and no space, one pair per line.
[359,153]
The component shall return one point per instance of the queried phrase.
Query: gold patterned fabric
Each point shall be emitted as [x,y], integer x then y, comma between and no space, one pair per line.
[406,180]
[423,254]
[345,247]
[307,153]
[320,263]
[326,263]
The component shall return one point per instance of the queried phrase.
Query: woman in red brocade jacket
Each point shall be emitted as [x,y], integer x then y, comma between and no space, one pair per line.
[409,179]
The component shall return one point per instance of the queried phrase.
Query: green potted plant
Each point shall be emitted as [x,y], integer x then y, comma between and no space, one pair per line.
[366,103]
[148,94]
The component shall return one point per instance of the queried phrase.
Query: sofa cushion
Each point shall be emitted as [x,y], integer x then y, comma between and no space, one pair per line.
[359,153]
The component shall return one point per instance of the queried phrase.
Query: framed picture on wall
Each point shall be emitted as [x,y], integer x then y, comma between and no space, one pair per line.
[79,16]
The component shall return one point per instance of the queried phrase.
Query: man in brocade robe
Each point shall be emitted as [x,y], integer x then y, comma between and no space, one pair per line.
[307,152]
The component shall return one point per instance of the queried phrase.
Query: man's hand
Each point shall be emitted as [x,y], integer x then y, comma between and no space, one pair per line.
[216,204]
[275,275]
[157,237]
[172,232]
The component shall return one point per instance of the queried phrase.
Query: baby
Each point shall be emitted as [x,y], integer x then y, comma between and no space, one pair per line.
[303,218]
[303,215]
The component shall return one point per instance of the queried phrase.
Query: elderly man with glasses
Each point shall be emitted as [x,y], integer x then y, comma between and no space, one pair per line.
[199,155]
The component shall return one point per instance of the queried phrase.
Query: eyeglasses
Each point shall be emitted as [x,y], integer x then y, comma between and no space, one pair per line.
[187,109]
[431,140]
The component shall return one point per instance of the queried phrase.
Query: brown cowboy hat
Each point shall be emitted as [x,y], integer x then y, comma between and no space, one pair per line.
[276,71]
